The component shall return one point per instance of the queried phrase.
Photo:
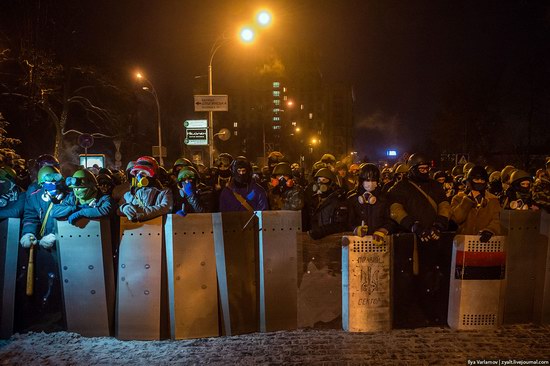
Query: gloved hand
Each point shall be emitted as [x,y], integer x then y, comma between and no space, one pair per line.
[378,237]
[27,240]
[181,213]
[361,230]
[485,236]
[435,232]
[47,241]
[74,217]
[187,189]
[130,212]
[422,233]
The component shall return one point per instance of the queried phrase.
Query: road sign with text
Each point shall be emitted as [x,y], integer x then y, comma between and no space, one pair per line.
[196,136]
[211,103]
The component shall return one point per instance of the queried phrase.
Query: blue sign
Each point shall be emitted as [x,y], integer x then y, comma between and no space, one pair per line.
[391,153]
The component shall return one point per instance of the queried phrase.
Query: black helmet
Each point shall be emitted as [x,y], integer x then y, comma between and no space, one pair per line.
[106,171]
[46,159]
[416,160]
[224,159]
[477,172]
[369,172]
[440,174]
[282,169]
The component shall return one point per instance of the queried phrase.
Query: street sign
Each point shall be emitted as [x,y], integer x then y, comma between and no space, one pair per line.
[86,140]
[196,136]
[463,160]
[195,123]
[211,103]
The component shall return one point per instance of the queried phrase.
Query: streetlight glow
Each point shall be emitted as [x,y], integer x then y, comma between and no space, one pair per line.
[314,141]
[297,129]
[264,18]
[246,34]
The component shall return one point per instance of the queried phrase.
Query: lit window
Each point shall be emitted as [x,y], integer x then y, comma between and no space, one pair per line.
[284,89]
[276,84]
[276,127]
[285,97]
[301,106]
[276,93]
[235,133]
[276,102]
[276,110]
[235,124]
[311,116]
[276,118]
[294,124]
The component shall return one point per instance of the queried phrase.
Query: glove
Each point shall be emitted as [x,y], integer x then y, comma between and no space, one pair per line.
[74,217]
[47,241]
[435,232]
[187,189]
[378,237]
[485,236]
[361,230]
[130,211]
[423,234]
[181,213]
[27,240]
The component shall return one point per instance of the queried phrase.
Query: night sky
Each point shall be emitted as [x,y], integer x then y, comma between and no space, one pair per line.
[410,62]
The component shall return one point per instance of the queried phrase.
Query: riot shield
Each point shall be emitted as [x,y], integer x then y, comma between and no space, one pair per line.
[9,246]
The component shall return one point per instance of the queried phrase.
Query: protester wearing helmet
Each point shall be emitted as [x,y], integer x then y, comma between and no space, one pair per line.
[541,188]
[12,200]
[495,185]
[369,210]
[242,193]
[105,183]
[284,193]
[193,196]
[274,158]
[341,171]
[519,195]
[222,172]
[329,213]
[148,199]
[399,172]
[476,211]
[418,203]
[85,201]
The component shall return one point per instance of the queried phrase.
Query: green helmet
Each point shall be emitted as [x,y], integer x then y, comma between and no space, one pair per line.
[506,173]
[466,168]
[188,172]
[328,159]
[49,174]
[82,179]
[520,175]
[326,173]
[401,168]
[282,169]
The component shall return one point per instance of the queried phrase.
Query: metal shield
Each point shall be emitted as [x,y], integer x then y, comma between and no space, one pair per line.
[9,246]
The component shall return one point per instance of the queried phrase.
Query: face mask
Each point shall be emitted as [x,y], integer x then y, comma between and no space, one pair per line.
[84,195]
[367,198]
[142,180]
[370,186]
[480,187]
[321,188]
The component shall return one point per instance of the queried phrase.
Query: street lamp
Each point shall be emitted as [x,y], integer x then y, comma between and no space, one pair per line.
[151,89]
[246,35]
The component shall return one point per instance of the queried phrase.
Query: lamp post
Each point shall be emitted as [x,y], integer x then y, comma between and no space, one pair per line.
[151,89]
[246,35]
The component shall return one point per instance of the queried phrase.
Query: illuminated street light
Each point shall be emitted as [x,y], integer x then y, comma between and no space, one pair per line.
[246,35]
[290,103]
[298,129]
[151,89]
[264,18]
[314,141]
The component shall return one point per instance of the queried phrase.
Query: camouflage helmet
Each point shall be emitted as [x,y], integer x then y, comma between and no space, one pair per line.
[328,159]
[506,173]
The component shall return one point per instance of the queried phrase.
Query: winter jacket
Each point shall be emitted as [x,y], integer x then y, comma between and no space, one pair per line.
[200,202]
[102,206]
[329,215]
[409,205]
[36,207]
[253,193]
[150,202]
[290,199]
[15,205]
[473,218]
[376,216]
